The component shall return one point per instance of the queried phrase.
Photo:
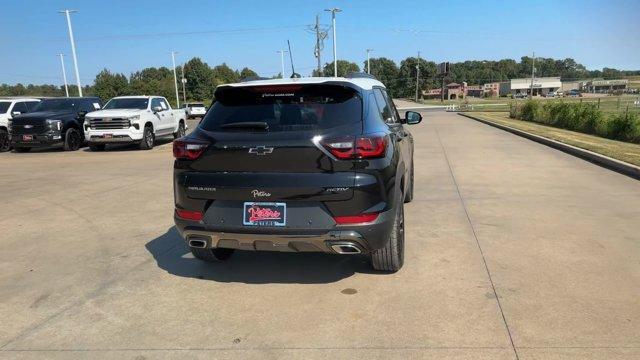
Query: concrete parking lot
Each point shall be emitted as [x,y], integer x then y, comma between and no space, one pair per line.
[514,250]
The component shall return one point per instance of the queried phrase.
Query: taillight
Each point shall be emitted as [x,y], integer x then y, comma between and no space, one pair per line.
[356,219]
[361,147]
[186,150]
[189,215]
[340,147]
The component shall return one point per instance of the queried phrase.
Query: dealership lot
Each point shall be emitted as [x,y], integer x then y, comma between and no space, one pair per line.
[513,249]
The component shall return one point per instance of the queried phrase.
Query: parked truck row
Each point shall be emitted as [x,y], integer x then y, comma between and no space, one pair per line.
[72,122]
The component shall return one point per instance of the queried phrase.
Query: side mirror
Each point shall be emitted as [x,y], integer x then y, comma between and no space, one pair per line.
[412,117]
[15,113]
[81,114]
[156,109]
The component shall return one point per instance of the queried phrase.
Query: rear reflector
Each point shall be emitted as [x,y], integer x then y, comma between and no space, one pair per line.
[186,150]
[356,219]
[189,215]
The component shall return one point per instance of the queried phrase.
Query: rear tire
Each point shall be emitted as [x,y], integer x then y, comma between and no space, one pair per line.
[21,149]
[408,196]
[97,147]
[72,140]
[148,139]
[181,131]
[5,144]
[212,255]
[391,256]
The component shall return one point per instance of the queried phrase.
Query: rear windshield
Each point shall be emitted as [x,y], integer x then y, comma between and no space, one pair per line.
[4,106]
[283,108]
[195,105]
[127,103]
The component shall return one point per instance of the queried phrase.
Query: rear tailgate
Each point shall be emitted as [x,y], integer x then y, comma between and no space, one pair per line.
[262,146]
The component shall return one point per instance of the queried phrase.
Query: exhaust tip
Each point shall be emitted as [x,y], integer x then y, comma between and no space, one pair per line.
[346,249]
[198,242]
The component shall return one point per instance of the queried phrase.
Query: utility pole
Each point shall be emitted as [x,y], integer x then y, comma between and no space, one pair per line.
[417,75]
[64,75]
[368,61]
[533,73]
[175,77]
[281,52]
[73,48]
[318,45]
[184,91]
[335,55]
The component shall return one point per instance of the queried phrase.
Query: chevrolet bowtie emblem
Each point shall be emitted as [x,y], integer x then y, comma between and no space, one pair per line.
[260,150]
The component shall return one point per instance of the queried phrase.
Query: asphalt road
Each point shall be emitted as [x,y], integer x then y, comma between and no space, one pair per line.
[514,250]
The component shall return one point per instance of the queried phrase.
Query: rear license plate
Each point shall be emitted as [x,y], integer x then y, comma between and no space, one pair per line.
[27,137]
[264,214]
[107,136]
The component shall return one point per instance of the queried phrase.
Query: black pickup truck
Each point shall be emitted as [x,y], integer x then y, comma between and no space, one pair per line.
[53,122]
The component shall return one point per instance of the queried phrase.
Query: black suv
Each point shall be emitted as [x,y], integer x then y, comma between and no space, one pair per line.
[316,164]
[53,122]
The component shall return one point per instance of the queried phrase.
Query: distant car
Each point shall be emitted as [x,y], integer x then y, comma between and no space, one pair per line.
[559,94]
[8,109]
[574,93]
[53,122]
[133,119]
[194,110]
[520,96]
[551,94]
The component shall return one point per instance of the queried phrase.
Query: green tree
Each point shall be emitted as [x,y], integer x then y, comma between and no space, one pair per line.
[154,81]
[199,79]
[223,74]
[405,85]
[246,73]
[386,71]
[344,67]
[108,85]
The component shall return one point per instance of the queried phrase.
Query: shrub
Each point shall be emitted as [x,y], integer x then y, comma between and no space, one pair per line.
[624,127]
[515,111]
[530,111]
[589,118]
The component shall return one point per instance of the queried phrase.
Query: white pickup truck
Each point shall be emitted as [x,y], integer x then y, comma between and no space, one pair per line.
[133,119]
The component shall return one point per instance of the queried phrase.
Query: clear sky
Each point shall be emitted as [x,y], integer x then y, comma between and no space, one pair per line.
[125,36]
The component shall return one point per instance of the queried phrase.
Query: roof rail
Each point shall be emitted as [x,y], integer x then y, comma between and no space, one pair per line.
[356,75]
[253,78]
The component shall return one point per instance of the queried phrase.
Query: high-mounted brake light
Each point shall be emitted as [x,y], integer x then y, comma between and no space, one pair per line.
[189,215]
[186,150]
[362,147]
[356,219]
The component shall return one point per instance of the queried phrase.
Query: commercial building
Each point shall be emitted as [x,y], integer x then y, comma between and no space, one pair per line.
[541,86]
[605,86]
[491,89]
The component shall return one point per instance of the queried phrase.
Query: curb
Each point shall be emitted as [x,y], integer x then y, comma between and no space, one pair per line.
[602,160]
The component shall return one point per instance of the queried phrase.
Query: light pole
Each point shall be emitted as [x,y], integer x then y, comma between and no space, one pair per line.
[64,75]
[335,56]
[281,52]
[184,91]
[417,75]
[175,77]
[368,62]
[73,48]
[533,73]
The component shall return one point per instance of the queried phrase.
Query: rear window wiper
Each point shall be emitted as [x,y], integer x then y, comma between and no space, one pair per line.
[246,125]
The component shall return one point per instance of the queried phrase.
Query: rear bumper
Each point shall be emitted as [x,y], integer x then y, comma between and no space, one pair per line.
[365,237]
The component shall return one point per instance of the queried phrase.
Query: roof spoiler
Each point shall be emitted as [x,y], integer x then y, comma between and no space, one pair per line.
[360,75]
[254,78]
